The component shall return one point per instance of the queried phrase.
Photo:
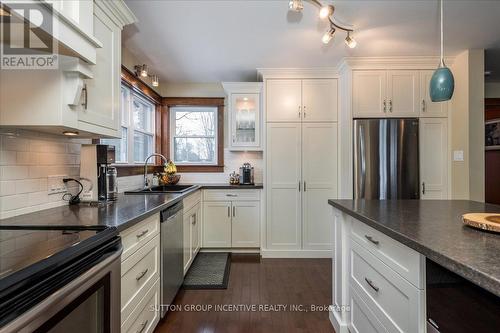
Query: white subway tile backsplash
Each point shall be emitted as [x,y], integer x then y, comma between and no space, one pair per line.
[27,158]
[7,187]
[16,201]
[13,172]
[13,143]
[27,185]
[7,157]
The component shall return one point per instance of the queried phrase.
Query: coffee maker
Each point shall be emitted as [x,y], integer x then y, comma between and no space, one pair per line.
[97,174]
[246,174]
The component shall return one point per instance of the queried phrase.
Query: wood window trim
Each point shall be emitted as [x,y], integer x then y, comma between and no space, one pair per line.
[218,102]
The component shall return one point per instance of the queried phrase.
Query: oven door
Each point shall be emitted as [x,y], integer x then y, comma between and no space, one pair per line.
[90,303]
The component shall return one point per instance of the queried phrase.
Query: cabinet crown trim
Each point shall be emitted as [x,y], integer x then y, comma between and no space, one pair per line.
[242,87]
[118,11]
[410,62]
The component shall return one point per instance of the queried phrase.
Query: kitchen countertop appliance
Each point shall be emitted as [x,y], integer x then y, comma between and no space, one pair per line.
[172,254]
[60,279]
[247,174]
[95,167]
[386,159]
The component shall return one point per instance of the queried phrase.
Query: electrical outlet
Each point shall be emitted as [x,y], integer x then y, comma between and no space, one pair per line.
[56,185]
[458,155]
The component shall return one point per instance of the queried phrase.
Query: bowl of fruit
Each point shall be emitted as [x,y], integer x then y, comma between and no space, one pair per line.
[170,176]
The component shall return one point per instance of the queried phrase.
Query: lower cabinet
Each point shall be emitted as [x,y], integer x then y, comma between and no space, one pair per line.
[140,276]
[191,229]
[378,279]
[233,222]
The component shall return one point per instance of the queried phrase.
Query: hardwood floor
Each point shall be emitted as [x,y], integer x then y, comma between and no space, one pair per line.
[280,282]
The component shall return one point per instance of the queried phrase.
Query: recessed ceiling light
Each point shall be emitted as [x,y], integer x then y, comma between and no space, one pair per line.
[71,133]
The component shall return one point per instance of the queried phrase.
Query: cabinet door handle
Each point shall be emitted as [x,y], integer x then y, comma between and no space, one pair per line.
[228,211]
[193,219]
[305,186]
[85,96]
[300,108]
[234,211]
[390,105]
[299,185]
[423,187]
[234,138]
[143,326]
[370,283]
[304,111]
[139,235]
[231,195]
[142,274]
[385,106]
[423,105]
[370,238]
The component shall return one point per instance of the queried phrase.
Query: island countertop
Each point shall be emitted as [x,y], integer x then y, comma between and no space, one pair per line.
[435,229]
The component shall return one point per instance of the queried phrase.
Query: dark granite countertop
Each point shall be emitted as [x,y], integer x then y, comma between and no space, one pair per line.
[122,213]
[225,186]
[435,229]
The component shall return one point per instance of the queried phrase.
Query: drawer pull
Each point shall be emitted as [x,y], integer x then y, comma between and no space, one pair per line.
[370,238]
[141,274]
[370,283]
[231,195]
[139,235]
[143,326]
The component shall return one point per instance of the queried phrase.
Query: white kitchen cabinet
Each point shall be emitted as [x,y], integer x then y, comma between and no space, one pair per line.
[403,93]
[319,174]
[319,100]
[102,97]
[244,115]
[434,158]
[429,108]
[283,167]
[186,243]
[245,224]
[283,100]
[309,100]
[231,224]
[369,93]
[217,224]
[191,234]
[77,97]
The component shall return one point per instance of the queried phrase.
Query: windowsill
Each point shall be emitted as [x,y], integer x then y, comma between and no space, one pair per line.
[125,170]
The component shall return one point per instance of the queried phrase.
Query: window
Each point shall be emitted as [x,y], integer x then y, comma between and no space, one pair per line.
[194,135]
[137,128]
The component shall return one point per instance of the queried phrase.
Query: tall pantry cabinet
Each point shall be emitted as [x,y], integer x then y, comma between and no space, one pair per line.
[301,164]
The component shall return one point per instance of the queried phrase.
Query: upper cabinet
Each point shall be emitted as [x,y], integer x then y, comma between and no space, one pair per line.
[308,100]
[244,115]
[394,93]
[429,108]
[77,97]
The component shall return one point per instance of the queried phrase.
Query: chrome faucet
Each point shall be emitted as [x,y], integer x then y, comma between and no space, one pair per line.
[146,167]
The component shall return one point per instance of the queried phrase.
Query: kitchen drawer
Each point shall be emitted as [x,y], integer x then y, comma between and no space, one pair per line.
[146,315]
[362,319]
[408,263]
[138,235]
[231,195]
[139,272]
[396,303]
[191,200]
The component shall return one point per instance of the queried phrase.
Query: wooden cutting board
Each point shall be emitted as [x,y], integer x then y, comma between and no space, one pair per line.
[485,221]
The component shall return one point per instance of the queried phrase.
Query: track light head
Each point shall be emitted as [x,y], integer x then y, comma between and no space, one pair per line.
[351,42]
[328,36]
[326,11]
[296,5]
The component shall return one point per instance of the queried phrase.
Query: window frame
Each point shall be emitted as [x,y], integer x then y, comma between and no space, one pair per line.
[173,136]
[171,102]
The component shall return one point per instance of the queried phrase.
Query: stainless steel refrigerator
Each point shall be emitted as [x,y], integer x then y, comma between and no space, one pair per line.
[386,164]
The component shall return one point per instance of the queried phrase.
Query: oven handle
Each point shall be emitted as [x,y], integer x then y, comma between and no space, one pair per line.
[49,307]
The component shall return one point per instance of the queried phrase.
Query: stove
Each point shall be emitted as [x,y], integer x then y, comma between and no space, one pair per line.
[46,270]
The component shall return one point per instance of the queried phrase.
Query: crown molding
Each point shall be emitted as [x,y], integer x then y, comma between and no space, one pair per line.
[297,73]
[118,11]
[409,62]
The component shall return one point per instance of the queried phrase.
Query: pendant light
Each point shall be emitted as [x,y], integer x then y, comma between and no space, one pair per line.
[442,82]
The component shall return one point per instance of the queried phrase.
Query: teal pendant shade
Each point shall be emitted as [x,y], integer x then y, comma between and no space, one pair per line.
[442,85]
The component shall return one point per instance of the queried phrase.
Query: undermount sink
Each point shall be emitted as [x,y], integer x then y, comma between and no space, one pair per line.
[163,189]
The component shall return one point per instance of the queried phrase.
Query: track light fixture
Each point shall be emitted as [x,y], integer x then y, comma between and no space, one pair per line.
[142,71]
[325,13]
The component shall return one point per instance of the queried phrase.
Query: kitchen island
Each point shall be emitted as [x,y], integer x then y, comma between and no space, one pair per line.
[381,250]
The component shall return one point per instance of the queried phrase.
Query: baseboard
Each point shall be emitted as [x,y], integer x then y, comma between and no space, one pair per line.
[266,253]
[337,326]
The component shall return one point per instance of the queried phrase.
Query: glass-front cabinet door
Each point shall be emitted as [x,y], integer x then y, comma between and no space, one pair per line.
[244,116]
[245,119]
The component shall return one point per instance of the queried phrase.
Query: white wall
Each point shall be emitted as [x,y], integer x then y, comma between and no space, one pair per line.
[467,126]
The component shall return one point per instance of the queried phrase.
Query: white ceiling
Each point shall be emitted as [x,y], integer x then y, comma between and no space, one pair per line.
[226,40]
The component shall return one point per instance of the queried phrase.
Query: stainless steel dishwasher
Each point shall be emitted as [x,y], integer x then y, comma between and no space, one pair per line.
[171,254]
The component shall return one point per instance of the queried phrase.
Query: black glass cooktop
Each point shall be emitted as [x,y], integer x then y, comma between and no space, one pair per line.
[27,245]
[37,260]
